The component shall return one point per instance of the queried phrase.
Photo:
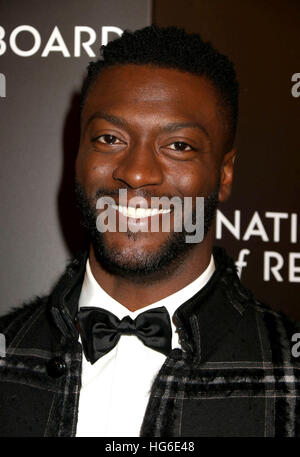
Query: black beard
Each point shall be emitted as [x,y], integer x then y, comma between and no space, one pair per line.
[140,267]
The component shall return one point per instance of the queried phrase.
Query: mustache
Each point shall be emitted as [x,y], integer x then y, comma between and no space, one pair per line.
[102,192]
[147,194]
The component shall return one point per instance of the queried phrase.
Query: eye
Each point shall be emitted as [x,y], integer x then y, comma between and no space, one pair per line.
[108,139]
[180,146]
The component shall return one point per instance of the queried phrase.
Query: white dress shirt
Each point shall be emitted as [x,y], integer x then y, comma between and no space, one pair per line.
[115,389]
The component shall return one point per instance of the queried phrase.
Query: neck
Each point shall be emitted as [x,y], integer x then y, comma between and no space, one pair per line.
[135,295]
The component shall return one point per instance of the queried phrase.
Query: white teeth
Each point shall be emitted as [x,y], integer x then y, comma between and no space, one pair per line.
[139,213]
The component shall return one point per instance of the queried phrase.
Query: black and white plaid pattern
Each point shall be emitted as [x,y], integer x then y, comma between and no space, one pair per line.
[225,393]
[235,377]
[32,403]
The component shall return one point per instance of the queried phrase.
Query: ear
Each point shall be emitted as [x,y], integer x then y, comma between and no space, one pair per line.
[226,175]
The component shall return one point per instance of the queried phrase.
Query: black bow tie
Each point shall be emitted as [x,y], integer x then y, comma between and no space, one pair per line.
[101,330]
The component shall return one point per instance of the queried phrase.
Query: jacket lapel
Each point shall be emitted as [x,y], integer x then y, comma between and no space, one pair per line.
[204,323]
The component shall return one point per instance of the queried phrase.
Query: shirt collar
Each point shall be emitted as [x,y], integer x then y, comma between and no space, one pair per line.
[92,294]
[213,312]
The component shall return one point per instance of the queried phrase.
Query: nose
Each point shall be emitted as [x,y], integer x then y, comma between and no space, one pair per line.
[139,168]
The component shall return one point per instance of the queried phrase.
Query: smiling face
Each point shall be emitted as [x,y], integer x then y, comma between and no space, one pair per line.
[154,132]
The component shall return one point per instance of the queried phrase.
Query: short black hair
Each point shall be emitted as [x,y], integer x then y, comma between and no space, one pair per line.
[172,47]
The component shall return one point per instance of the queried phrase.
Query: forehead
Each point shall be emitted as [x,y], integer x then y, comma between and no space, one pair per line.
[149,94]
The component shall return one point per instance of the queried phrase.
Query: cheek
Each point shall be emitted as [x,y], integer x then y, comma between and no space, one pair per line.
[194,179]
[93,171]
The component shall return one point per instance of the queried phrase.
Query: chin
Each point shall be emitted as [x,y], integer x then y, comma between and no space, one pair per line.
[135,241]
[140,258]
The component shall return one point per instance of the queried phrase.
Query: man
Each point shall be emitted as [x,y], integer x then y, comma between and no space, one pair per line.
[150,333]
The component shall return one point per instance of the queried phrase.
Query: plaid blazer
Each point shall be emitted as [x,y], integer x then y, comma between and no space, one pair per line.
[236,375]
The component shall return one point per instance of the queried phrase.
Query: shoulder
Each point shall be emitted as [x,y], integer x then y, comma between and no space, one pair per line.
[19,319]
[31,322]
[275,333]
[279,332]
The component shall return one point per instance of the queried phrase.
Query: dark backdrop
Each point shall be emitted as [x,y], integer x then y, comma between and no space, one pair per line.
[262,39]
[39,132]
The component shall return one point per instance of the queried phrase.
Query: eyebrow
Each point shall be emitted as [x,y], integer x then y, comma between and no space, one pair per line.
[169,128]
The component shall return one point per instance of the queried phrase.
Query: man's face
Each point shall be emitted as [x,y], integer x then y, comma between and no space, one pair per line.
[154,132]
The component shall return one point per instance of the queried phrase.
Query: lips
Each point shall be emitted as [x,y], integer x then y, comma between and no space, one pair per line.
[139,213]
